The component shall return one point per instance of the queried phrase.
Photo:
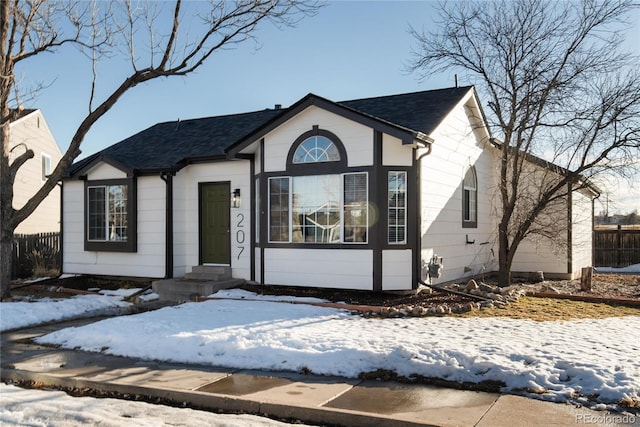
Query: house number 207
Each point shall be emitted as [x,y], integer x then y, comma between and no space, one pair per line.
[240,235]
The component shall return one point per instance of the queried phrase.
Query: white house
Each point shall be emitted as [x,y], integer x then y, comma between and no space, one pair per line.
[29,130]
[361,194]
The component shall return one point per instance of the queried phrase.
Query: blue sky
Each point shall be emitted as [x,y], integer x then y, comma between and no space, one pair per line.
[351,49]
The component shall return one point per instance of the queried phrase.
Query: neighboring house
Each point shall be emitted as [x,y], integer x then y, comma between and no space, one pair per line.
[30,131]
[360,194]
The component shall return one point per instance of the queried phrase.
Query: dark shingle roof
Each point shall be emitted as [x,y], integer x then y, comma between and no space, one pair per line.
[166,146]
[418,111]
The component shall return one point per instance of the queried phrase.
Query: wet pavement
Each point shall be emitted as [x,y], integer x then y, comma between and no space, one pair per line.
[316,400]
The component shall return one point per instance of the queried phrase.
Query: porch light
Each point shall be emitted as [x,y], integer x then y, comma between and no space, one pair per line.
[235,198]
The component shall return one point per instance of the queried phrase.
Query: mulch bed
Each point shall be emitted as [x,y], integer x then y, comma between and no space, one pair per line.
[605,288]
[623,289]
[380,299]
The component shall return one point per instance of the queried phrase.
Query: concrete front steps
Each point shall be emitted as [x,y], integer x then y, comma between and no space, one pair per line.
[202,281]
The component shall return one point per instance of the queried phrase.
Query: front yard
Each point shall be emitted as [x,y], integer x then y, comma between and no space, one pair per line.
[529,347]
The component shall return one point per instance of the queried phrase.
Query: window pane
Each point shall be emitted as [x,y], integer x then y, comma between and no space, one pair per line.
[279,209]
[118,224]
[316,209]
[46,167]
[356,214]
[107,213]
[97,213]
[316,149]
[469,196]
[472,205]
[396,207]
[465,206]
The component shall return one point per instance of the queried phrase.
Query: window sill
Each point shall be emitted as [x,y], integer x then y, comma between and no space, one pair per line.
[110,246]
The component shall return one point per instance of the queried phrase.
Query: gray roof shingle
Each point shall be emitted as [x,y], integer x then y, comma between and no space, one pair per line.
[166,146]
[419,111]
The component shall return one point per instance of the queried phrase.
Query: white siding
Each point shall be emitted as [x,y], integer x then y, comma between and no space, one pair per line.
[33,132]
[456,147]
[357,139]
[258,262]
[396,270]
[540,255]
[105,171]
[149,259]
[581,232]
[547,251]
[185,213]
[394,153]
[324,268]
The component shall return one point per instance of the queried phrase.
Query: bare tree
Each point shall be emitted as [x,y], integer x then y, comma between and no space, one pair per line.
[558,87]
[160,39]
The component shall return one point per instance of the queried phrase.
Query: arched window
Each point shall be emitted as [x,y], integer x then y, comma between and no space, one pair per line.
[316,149]
[470,199]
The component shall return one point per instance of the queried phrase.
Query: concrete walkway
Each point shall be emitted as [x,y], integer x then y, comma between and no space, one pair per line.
[311,399]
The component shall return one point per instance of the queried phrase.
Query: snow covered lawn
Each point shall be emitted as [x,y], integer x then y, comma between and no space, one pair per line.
[565,360]
[22,407]
[20,314]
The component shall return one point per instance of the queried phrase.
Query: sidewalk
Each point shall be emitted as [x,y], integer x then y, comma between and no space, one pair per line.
[311,399]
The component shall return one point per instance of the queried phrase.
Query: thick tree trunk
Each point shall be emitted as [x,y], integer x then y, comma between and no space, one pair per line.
[6,261]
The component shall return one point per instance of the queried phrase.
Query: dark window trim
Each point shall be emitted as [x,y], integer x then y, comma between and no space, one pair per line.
[132,218]
[470,223]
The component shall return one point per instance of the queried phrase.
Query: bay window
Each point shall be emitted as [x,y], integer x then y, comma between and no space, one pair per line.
[320,202]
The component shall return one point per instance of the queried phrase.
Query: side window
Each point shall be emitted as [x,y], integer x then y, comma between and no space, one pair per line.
[110,216]
[107,216]
[46,166]
[356,207]
[279,209]
[397,207]
[470,199]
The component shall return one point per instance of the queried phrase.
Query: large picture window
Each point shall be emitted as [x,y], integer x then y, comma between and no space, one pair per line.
[470,199]
[321,203]
[397,207]
[110,216]
[319,209]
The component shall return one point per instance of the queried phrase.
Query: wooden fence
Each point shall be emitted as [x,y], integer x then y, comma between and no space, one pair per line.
[616,247]
[35,254]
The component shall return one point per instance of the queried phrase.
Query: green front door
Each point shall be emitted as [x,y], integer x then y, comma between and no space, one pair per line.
[215,243]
